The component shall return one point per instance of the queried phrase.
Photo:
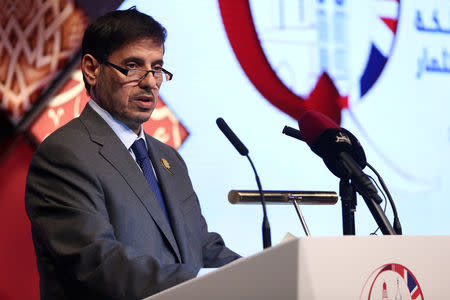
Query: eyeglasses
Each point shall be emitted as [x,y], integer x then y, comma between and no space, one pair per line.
[159,74]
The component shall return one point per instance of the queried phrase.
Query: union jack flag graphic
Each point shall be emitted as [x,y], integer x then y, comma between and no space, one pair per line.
[409,279]
[384,29]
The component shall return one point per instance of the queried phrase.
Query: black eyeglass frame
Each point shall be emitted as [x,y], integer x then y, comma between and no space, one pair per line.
[125,71]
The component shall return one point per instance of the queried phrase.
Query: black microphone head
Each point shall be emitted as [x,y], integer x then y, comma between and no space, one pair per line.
[292,132]
[240,147]
[334,141]
[357,151]
[328,140]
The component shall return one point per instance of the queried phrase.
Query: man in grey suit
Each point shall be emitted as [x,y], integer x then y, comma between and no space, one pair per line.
[110,221]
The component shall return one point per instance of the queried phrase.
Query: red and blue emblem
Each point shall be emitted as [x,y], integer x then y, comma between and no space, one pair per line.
[392,281]
[383,36]
[311,42]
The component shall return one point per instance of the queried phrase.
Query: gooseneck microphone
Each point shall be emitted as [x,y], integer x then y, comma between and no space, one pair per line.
[234,140]
[344,157]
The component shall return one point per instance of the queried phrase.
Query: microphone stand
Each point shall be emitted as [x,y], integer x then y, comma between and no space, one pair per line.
[267,240]
[378,215]
[300,216]
[367,191]
[348,198]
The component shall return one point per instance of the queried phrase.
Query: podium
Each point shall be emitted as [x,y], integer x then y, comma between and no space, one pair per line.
[349,267]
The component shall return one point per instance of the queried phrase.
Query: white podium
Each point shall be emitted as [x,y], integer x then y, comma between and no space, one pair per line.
[375,267]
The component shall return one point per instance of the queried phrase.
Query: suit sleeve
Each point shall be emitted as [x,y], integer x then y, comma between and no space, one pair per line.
[215,253]
[70,222]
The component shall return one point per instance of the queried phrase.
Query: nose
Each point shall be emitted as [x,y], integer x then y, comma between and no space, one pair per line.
[148,82]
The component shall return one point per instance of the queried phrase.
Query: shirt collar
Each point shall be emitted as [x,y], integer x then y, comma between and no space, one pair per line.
[125,134]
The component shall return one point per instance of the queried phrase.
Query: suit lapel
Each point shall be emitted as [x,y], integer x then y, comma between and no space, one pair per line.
[117,155]
[168,187]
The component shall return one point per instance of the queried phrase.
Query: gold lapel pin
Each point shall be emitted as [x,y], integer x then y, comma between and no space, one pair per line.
[166,165]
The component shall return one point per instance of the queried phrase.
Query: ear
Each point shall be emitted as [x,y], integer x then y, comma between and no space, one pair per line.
[91,69]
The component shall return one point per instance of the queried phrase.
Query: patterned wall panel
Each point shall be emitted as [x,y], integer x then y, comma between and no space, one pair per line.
[37,38]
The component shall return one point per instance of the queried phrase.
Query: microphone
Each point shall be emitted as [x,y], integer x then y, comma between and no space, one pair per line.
[223,126]
[344,157]
[328,140]
[283,197]
[339,149]
[292,132]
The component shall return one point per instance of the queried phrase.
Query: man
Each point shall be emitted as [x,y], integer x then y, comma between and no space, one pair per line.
[104,226]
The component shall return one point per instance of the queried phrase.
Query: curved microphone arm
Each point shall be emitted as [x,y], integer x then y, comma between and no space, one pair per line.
[240,147]
[267,240]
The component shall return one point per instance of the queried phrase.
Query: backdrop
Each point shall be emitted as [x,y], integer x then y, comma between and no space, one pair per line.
[389,61]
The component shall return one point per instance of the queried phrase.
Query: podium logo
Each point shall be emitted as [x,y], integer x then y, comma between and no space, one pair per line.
[391,281]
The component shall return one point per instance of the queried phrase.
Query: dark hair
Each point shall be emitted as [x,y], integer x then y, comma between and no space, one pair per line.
[118,28]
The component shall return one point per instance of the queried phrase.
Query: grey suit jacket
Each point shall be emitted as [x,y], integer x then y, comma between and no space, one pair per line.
[97,228]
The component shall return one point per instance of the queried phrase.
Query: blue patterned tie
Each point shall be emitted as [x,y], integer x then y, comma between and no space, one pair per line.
[144,162]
